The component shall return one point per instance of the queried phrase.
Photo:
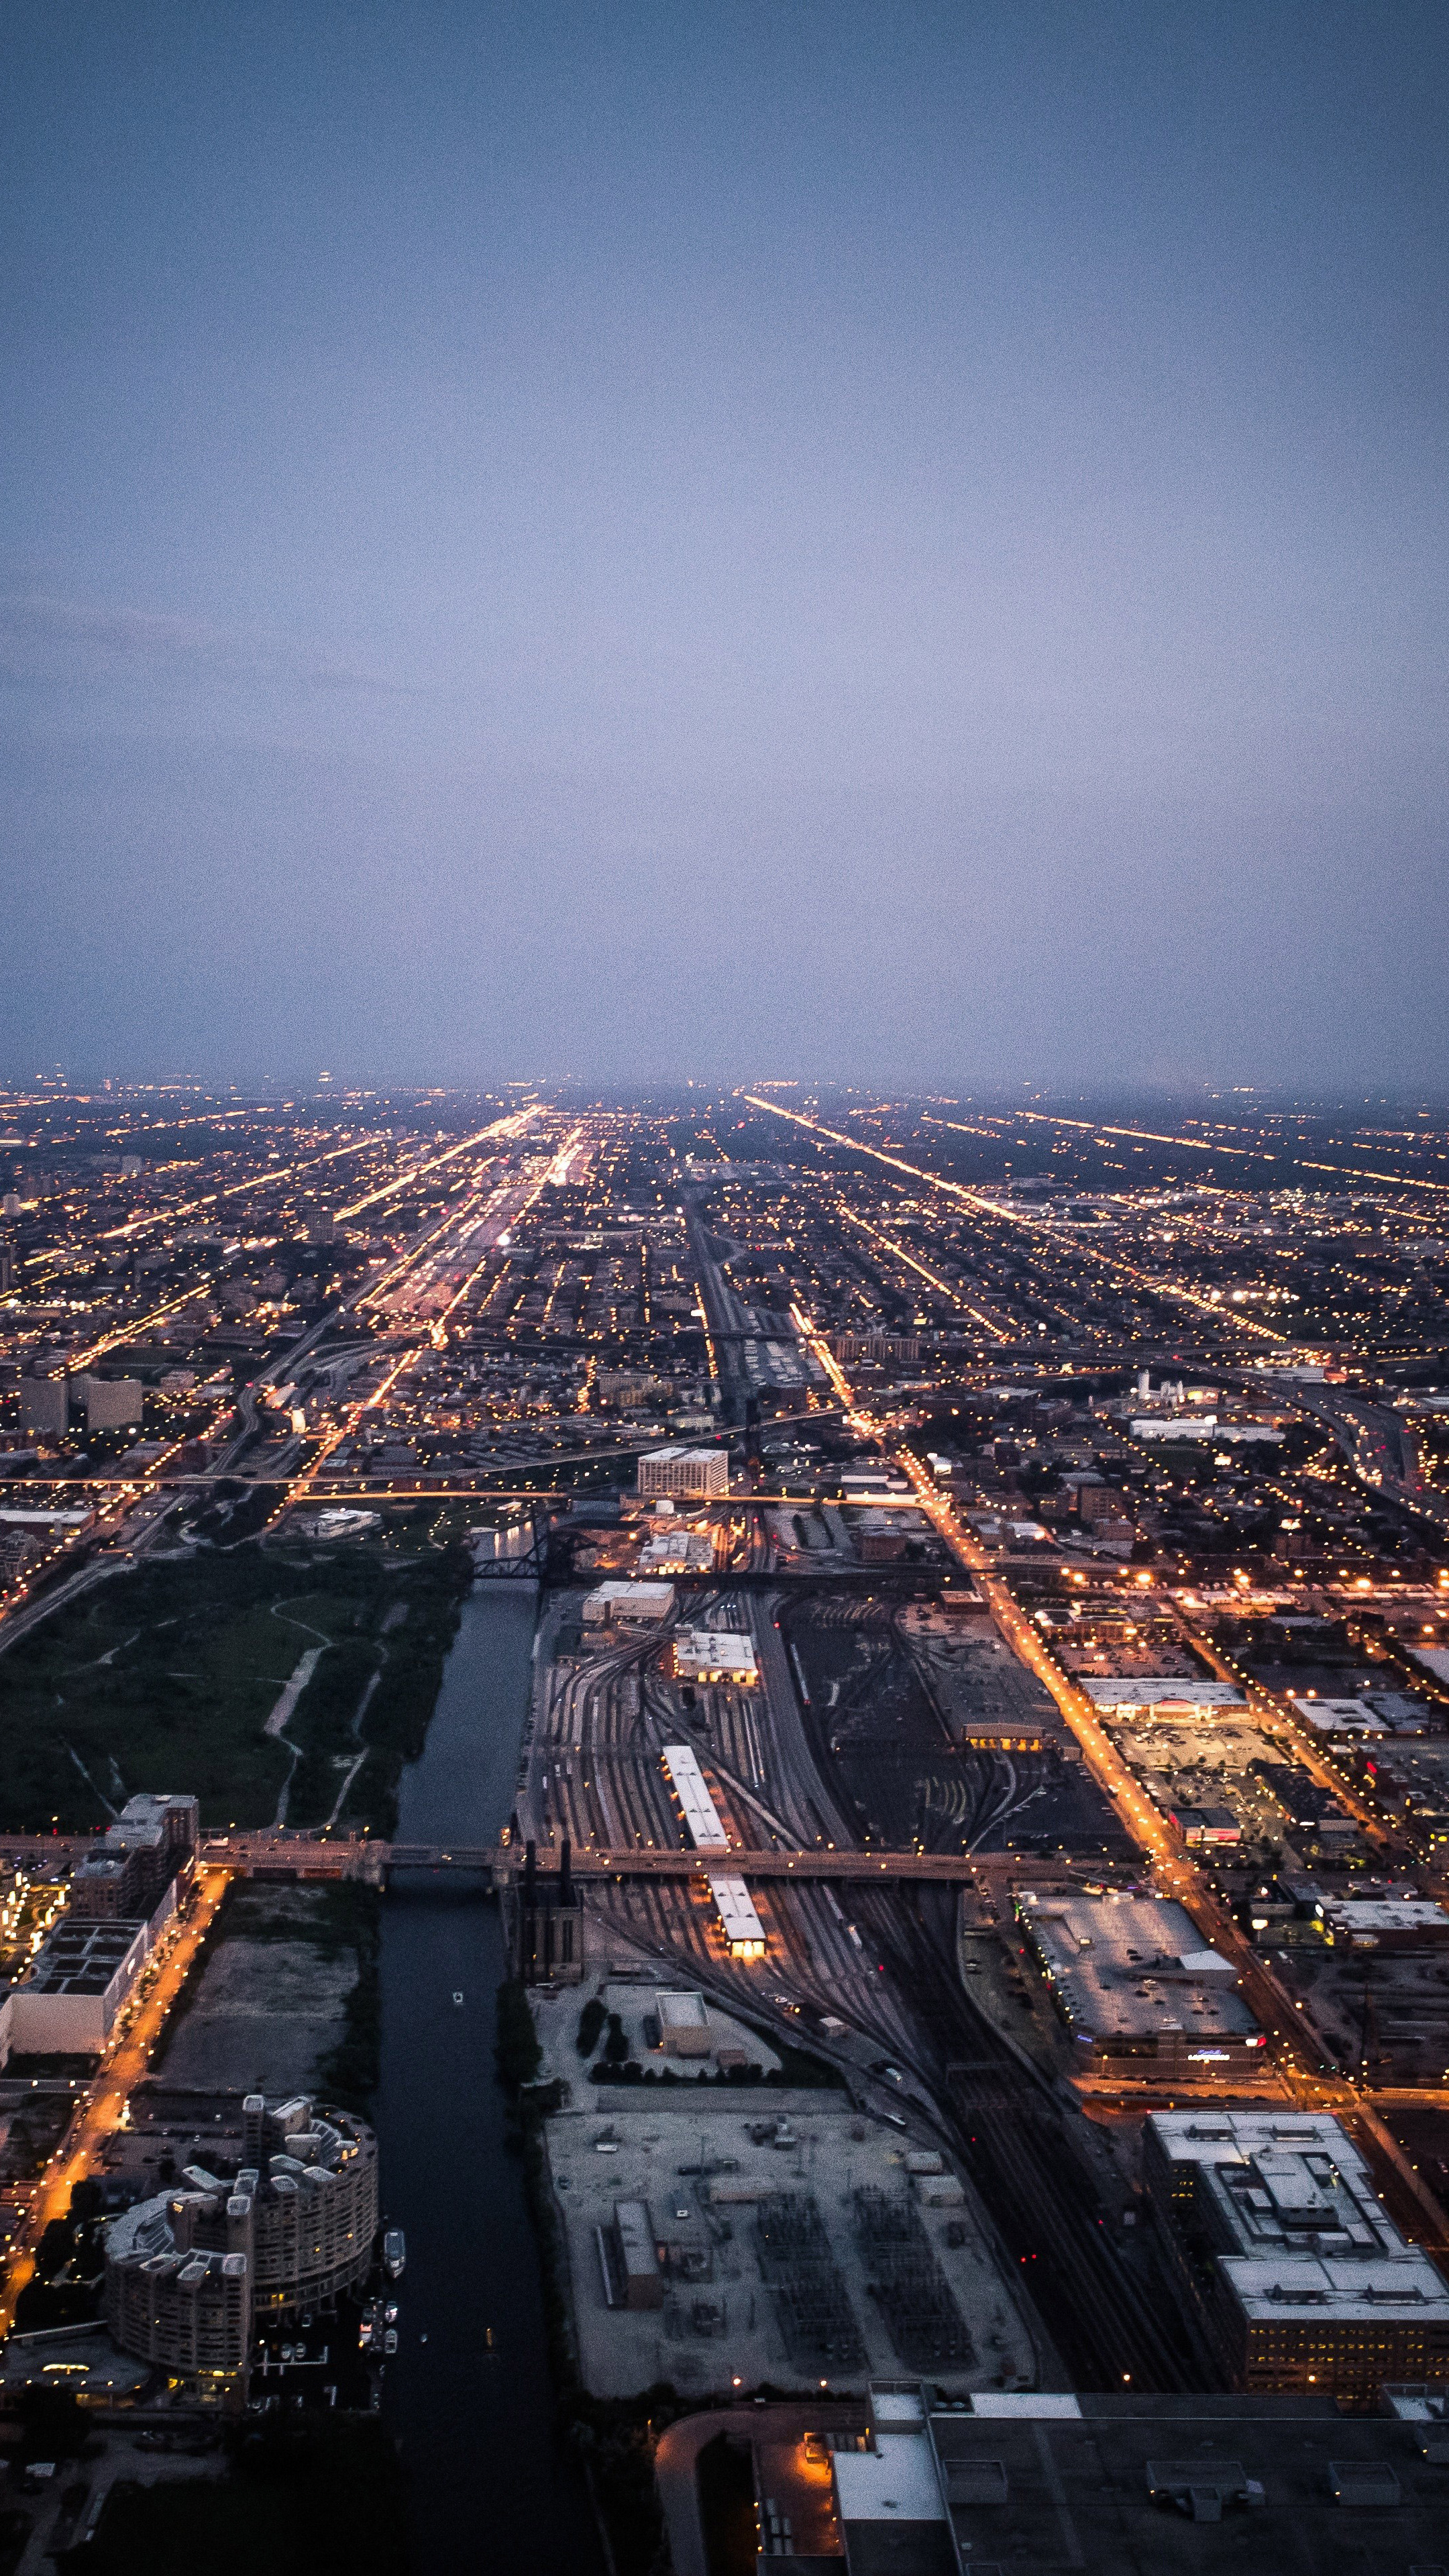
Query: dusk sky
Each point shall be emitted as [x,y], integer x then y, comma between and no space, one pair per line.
[894,543]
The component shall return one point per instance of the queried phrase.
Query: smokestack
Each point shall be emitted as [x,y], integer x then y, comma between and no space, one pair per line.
[530,1873]
[566,1873]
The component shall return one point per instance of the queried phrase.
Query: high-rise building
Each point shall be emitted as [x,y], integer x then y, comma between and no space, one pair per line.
[43,1405]
[108,1403]
[700,1475]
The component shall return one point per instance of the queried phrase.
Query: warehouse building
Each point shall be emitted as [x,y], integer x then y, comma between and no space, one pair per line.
[1138,1991]
[684,2027]
[633,2279]
[716,1655]
[677,1551]
[1102,2483]
[626,1605]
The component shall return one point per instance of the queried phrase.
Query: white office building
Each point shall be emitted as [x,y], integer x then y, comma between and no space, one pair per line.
[694,1475]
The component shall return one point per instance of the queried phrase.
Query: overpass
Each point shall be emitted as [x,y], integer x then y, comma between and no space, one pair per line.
[264,1855]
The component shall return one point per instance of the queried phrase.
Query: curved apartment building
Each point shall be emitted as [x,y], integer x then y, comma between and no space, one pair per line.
[190,2273]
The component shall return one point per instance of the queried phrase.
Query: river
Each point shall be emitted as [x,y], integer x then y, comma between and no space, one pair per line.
[489,2487]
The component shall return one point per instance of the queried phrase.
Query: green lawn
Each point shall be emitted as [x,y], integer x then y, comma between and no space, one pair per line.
[163,1679]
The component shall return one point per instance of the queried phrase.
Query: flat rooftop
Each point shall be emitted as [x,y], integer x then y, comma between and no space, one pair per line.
[1302,2226]
[82,1955]
[1109,2488]
[1358,2290]
[1134,1965]
[1129,1691]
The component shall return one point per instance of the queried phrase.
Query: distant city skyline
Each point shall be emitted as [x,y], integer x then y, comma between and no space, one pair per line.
[895,546]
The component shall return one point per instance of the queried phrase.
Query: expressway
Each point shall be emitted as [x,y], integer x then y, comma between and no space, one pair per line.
[1379,1445]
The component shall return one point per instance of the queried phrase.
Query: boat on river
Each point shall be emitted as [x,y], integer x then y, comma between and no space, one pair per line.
[394,2253]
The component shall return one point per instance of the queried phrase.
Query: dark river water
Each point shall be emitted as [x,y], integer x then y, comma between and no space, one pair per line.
[489,2487]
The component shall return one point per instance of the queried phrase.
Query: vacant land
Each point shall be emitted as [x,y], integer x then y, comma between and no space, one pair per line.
[286,1997]
[165,1678]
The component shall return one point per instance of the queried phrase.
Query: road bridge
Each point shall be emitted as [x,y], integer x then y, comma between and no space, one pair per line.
[298,1856]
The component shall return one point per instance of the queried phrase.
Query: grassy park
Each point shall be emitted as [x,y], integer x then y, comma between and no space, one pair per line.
[165,1677]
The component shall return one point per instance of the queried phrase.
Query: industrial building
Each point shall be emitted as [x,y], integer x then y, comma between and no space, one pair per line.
[1164,1692]
[1137,1990]
[990,1699]
[1101,2483]
[881,1535]
[694,1475]
[716,1655]
[1301,2278]
[683,2019]
[1387,1922]
[637,2282]
[677,1551]
[626,1605]
[190,2273]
